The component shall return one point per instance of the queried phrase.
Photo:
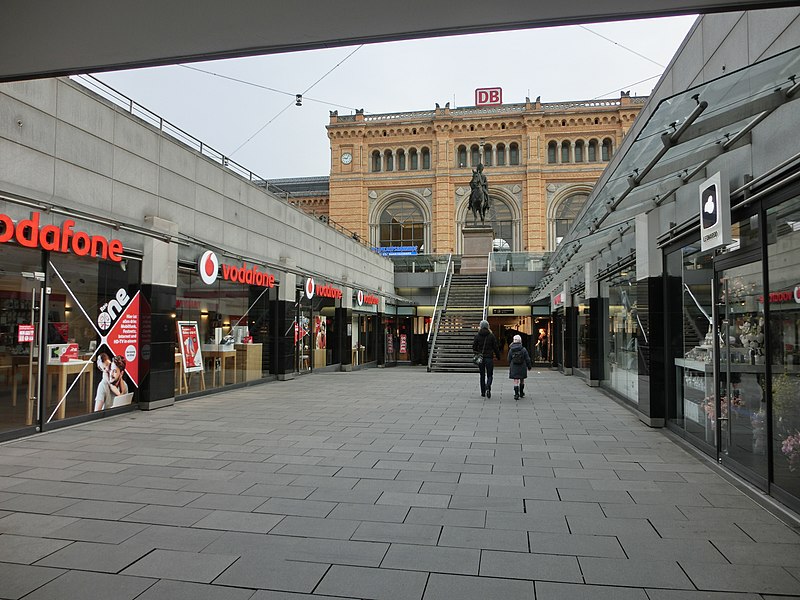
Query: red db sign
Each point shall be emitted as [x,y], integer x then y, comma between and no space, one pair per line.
[488,96]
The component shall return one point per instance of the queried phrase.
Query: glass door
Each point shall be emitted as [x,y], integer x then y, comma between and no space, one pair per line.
[740,415]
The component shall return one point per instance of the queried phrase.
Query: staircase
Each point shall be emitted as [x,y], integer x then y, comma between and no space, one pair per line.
[452,351]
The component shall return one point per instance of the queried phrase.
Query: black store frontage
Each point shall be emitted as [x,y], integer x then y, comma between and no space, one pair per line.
[733,337]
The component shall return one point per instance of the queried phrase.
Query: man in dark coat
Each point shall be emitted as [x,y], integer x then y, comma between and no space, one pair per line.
[486,344]
[519,361]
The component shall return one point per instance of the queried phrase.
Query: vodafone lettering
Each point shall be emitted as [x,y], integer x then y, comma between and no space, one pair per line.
[366,298]
[326,291]
[28,233]
[208,267]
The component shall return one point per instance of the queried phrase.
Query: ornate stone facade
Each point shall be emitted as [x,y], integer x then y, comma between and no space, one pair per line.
[537,156]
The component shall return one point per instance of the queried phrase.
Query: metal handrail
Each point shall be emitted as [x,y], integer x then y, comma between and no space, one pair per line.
[437,319]
[438,293]
[486,289]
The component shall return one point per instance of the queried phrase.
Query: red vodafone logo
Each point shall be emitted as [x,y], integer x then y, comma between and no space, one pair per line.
[797,294]
[208,267]
[360,298]
[310,288]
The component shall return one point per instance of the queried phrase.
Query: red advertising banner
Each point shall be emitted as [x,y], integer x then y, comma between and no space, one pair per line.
[189,338]
[403,346]
[123,338]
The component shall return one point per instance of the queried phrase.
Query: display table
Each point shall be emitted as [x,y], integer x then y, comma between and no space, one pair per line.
[225,353]
[249,359]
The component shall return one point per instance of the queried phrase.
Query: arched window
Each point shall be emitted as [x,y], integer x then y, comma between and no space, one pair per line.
[413,158]
[607,149]
[565,147]
[461,161]
[592,150]
[401,160]
[501,155]
[402,224]
[552,150]
[426,158]
[565,213]
[475,153]
[388,160]
[376,161]
[502,220]
[579,151]
[487,155]
[513,154]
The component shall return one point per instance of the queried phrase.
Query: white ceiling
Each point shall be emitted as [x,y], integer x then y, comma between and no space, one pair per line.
[44,38]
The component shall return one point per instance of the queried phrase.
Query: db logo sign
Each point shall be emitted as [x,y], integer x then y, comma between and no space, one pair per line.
[208,267]
[310,288]
[488,96]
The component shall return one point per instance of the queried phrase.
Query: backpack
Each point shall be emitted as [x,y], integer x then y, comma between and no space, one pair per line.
[518,356]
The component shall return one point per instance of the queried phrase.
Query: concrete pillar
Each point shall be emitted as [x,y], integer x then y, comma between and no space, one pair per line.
[157,327]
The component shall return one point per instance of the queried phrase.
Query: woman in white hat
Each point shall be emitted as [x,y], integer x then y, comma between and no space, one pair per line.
[519,361]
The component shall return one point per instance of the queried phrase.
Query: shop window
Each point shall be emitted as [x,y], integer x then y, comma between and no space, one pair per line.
[376,161]
[552,149]
[513,152]
[783,234]
[621,369]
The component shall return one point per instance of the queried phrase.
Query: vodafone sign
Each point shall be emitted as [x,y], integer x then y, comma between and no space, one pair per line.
[324,291]
[28,233]
[366,299]
[208,266]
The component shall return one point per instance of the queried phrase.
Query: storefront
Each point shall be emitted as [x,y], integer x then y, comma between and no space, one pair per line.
[366,329]
[68,295]
[228,307]
[316,328]
[620,344]
[736,345]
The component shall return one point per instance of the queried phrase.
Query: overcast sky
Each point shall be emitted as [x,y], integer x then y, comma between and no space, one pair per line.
[561,63]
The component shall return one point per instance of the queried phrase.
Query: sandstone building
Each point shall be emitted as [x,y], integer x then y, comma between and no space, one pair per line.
[402,179]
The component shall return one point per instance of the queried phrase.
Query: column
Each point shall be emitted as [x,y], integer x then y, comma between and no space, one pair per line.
[651,314]
[596,317]
[157,308]
[570,331]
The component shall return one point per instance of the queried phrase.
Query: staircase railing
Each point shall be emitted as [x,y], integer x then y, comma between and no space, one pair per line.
[486,289]
[437,312]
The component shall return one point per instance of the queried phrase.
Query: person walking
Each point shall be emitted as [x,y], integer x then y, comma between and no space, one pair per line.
[519,361]
[486,345]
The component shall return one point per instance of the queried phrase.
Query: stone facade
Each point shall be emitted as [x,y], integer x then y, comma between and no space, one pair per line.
[536,155]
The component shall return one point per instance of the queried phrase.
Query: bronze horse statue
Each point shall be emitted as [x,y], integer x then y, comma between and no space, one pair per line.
[479,195]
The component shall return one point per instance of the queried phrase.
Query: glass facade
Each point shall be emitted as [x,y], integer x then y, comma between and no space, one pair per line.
[621,368]
[584,335]
[783,253]
[234,330]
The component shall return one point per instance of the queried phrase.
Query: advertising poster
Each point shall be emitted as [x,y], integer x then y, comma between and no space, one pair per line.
[403,344]
[189,338]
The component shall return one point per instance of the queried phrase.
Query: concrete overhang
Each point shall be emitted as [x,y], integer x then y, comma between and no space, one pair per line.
[64,37]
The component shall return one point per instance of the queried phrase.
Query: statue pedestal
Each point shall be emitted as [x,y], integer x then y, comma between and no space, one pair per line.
[477,247]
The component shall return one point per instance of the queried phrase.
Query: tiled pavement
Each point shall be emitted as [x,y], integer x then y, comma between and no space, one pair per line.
[382,484]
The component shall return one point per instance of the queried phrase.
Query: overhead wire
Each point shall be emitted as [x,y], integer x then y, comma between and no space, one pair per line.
[608,39]
[283,110]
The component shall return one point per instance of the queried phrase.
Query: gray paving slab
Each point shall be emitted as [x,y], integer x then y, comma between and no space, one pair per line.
[547,590]
[432,559]
[83,584]
[19,580]
[183,566]
[282,575]
[88,556]
[758,579]
[183,590]
[442,587]
[635,573]
[377,584]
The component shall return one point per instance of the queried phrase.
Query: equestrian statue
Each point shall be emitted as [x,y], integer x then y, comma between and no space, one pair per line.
[479,194]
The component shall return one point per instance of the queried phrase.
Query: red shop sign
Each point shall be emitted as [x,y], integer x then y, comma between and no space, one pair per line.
[29,233]
[208,267]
